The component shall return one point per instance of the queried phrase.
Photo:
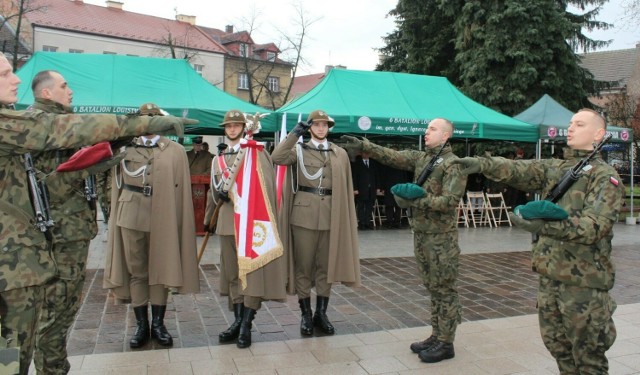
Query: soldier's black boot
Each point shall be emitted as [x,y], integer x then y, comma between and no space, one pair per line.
[306,324]
[419,346]
[234,329]
[437,352]
[320,318]
[141,334]
[158,330]
[244,339]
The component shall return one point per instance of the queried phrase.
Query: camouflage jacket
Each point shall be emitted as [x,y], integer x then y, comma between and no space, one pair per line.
[74,219]
[437,211]
[24,259]
[575,251]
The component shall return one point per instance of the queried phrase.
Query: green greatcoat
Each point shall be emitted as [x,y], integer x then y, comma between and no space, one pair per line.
[26,263]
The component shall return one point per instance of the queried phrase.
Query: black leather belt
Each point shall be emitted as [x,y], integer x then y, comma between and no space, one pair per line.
[319,191]
[144,190]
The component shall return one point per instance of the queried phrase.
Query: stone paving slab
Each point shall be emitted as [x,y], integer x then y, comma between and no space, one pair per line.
[491,285]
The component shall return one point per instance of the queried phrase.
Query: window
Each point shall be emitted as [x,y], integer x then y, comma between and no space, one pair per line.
[50,49]
[271,56]
[244,50]
[198,68]
[72,50]
[243,81]
[274,84]
[108,53]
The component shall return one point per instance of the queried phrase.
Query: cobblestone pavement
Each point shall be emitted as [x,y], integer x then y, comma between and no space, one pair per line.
[491,285]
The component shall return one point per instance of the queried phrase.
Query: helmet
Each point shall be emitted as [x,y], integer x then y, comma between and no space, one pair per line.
[234,115]
[150,109]
[320,115]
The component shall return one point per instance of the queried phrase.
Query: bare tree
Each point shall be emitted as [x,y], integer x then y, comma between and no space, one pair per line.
[13,13]
[631,16]
[259,70]
[297,42]
[175,47]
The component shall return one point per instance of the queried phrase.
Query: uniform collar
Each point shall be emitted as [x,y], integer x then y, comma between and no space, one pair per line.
[324,144]
[571,154]
[434,150]
[50,106]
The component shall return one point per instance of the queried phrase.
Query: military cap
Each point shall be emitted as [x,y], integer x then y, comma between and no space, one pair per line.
[150,109]
[408,191]
[86,157]
[197,140]
[545,210]
[233,116]
[320,115]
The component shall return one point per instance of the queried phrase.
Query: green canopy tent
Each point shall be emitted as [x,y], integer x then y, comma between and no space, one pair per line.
[388,103]
[554,119]
[120,84]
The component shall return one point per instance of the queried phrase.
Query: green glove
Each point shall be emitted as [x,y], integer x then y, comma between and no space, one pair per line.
[541,210]
[105,164]
[408,191]
[402,203]
[533,226]
[469,165]
[352,143]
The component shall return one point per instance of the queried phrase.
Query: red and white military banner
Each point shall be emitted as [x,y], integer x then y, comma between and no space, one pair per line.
[257,239]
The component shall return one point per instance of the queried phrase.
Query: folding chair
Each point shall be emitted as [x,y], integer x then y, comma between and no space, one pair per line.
[378,213]
[495,202]
[477,209]
[463,218]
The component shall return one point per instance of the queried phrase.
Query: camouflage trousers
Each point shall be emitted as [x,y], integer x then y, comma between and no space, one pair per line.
[576,326]
[63,298]
[19,311]
[437,256]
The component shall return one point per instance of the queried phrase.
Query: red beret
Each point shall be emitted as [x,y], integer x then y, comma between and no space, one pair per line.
[86,157]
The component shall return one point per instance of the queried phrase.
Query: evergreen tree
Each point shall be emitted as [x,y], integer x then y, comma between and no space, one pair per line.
[423,42]
[503,53]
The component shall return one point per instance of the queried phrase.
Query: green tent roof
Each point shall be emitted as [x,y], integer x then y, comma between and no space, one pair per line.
[402,104]
[120,84]
[554,120]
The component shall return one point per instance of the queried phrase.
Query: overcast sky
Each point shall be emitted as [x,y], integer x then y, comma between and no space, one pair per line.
[345,32]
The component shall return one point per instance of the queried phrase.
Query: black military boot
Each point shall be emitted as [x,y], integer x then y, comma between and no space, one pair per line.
[320,318]
[419,346]
[158,330]
[234,329]
[306,324]
[244,339]
[437,352]
[141,334]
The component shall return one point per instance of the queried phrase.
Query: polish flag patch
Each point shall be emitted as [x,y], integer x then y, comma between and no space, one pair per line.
[614,181]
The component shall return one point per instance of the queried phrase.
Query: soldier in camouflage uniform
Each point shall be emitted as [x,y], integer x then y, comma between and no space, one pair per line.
[75,226]
[26,264]
[434,223]
[572,256]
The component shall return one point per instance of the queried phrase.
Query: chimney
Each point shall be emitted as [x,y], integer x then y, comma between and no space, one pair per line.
[191,20]
[228,29]
[112,4]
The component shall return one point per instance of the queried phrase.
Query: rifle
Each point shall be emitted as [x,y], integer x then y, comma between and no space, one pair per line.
[573,174]
[39,198]
[90,191]
[426,172]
